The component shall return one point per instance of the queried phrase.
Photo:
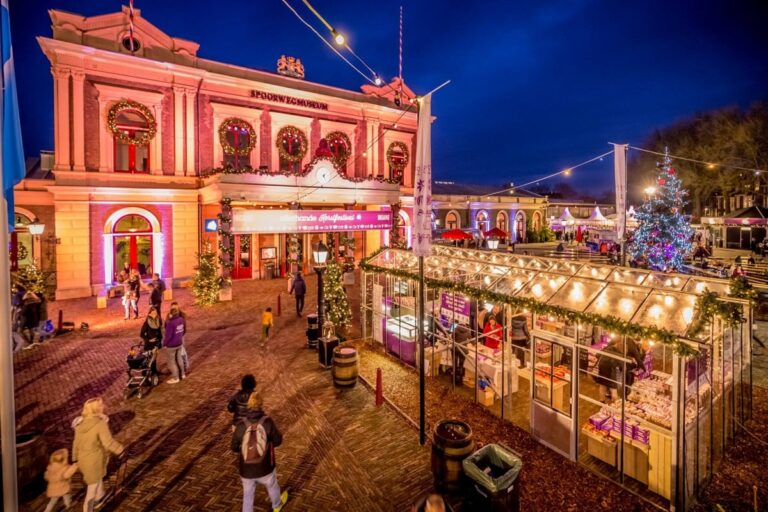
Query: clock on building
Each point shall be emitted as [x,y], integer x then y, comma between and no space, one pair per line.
[323,174]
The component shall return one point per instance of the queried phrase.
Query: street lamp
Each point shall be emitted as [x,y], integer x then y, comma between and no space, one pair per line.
[493,243]
[649,191]
[36,227]
[320,255]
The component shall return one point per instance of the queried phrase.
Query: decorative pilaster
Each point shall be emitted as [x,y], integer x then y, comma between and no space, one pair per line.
[314,136]
[360,147]
[178,131]
[61,119]
[189,120]
[78,121]
[266,139]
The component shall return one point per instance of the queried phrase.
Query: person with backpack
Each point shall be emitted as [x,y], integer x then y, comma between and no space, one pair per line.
[254,441]
[299,289]
[238,404]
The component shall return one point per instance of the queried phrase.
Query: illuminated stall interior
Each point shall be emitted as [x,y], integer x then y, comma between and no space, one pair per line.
[606,390]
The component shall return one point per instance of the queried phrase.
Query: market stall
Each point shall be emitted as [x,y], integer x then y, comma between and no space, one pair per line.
[639,375]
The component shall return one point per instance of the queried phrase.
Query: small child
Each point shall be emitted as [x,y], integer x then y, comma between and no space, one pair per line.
[58,475]
[266,323]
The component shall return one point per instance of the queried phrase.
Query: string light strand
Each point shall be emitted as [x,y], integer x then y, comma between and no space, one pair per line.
[708,164]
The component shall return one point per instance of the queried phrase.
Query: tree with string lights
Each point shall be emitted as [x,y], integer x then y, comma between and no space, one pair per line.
[664,235]
[337,308]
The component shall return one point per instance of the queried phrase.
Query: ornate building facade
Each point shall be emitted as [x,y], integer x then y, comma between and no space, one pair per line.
[157,151]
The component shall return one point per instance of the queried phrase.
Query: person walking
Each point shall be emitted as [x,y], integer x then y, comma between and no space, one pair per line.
[155,297]
[521,337]
[58,475]
[30,317]
[159,284]
[91,448]
[254,441]
[152,334]
[299,289]
[132,294]
[184,354]
[174,343]
[267,321]
[238,404]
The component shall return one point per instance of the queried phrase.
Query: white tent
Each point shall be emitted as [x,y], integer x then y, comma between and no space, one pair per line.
[597,215]
[566,217]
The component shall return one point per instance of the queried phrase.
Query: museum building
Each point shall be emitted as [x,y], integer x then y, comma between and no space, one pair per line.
[157,151]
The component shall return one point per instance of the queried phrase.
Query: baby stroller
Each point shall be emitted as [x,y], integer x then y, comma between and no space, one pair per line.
[141,370]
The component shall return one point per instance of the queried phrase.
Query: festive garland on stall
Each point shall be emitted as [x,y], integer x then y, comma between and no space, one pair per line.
[295,133]
[398,166]
[708,306]
[228,148]
[226,251]
[335,138]
[264,171]
[145,136]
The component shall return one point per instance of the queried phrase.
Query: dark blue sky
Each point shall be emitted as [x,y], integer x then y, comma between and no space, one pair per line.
[536,85]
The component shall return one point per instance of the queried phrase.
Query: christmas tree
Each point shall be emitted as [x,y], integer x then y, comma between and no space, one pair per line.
[207,282]
[337,306]
[664,235]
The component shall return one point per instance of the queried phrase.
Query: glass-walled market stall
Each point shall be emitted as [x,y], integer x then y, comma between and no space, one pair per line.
[613,367]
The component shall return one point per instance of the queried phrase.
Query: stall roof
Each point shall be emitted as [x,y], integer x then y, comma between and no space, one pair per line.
[640,296]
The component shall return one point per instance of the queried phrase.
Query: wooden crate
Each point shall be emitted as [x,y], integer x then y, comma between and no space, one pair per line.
[485,396]
[636,461]
[600,448]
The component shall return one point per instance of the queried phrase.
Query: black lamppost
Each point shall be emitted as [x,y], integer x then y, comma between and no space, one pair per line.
[320,255]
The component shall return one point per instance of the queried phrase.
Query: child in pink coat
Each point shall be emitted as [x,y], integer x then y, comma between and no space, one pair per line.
[58,475]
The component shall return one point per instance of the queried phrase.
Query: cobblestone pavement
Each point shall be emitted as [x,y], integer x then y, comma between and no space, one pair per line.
[340,452]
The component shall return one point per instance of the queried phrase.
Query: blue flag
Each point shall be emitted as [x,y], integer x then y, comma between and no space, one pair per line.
[12,149]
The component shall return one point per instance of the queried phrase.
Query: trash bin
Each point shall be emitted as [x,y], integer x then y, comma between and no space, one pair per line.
[269,271]
[313,330]
[325,348]
[492,473]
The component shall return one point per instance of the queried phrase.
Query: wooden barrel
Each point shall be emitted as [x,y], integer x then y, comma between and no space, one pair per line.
[451,444]
[344,367]
[31,458]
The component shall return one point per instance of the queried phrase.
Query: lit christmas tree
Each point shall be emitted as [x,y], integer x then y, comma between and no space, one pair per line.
[207,282]
[664,235]
[337,308]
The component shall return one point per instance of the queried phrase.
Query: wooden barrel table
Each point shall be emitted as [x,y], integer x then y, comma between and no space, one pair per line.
[451,444]
[344,367]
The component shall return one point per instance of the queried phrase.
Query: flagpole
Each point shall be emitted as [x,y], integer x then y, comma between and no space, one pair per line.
[422,376]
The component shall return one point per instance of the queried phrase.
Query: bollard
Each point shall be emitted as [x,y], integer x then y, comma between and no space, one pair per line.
[279,296]
[379,391]
[61,320]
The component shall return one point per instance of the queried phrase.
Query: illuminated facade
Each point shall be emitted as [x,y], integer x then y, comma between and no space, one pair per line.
[152,144]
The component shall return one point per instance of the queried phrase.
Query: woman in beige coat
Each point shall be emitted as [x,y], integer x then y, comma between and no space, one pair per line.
[91,448]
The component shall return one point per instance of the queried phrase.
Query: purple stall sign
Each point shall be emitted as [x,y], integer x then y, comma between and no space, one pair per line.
[454,306]
[309,221]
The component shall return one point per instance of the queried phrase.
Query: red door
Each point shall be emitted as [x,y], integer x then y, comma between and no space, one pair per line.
[243,268]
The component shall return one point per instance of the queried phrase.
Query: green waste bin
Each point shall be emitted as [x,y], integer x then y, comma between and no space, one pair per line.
[492,473]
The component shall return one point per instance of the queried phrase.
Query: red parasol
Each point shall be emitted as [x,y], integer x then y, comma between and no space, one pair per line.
[579,235]
[496,233]
[456,234]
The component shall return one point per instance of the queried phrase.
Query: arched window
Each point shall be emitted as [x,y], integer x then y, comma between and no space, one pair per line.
[536,221]
[397,158]
[132,245]
[133,127]
[341,148]
[22,243]
[292,146]
[452,221]
[237,139]
[520,227]
[502,221]
[481,221]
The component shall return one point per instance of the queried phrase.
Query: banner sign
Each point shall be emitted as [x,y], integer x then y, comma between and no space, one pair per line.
[308,221]
[454,307]
[620,175]
[422,196]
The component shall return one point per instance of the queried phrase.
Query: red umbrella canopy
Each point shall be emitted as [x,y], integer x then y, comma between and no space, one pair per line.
[495,233]
[456,234]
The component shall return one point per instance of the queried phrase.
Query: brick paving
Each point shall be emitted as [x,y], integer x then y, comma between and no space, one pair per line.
[340,452]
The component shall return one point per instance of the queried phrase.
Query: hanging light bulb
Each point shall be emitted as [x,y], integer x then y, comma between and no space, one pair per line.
[377,80]
[338,37]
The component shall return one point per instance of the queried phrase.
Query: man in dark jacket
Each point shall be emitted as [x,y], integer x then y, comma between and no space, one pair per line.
[262,472]
[156,297]
[30,317]
[299,289]
[238,404]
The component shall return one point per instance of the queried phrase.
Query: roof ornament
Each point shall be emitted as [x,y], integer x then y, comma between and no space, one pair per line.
[290,66]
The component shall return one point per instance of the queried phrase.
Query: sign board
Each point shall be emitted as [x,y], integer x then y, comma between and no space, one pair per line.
[211,225]
[454,306]
[309,221]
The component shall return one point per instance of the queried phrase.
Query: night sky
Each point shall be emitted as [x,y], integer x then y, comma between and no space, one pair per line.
[537,86]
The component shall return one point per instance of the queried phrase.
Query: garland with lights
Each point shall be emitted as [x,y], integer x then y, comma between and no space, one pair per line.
[398,166]
[31,278]
[708,306]
[336,139]
[145,136]
[264,171]
[291,134]
[226,238]
[237,124]
[21,252]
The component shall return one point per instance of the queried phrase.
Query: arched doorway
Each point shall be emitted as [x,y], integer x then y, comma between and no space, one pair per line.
[452,220]
[404,228]
[131,241]
[502,221]
[481,221]
[23,251]
[536,221]
[520,227]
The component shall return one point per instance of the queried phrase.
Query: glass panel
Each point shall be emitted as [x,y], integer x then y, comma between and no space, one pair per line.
[628,276]
[144,255]
[543,286]
[620,301]
[121,157]
[672,310]
[698,286]
[660,280]
[595,271]
[131,119]
[245,251]
[142,158]
[132,224]
[576,294]
[24,248]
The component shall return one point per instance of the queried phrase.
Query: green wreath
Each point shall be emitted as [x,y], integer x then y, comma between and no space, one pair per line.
[398,166]
[291,132]
[228,148]
[340,138]
[21,252]
[123,137]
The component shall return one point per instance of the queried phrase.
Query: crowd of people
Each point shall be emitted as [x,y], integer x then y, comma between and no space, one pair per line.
[29,319]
